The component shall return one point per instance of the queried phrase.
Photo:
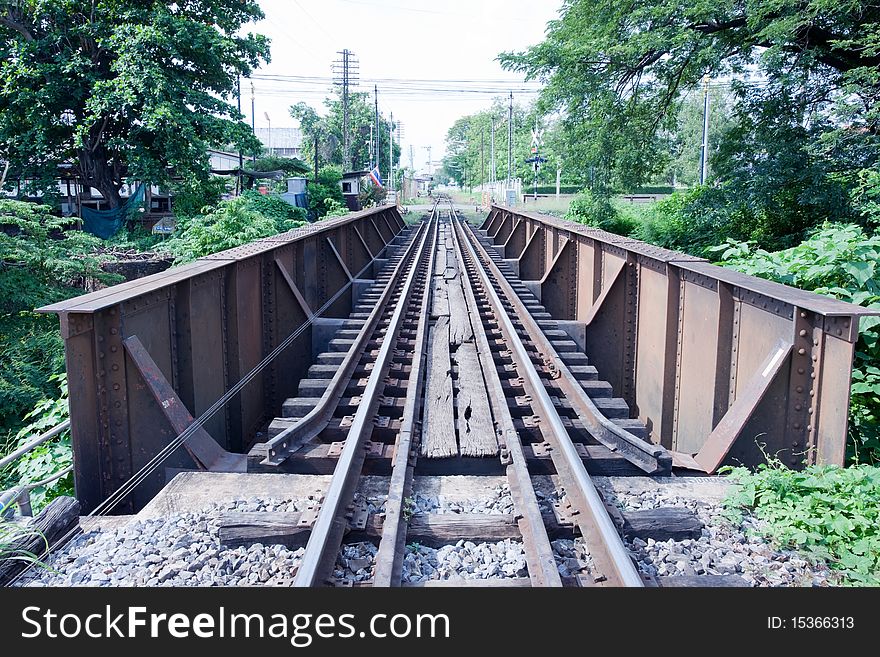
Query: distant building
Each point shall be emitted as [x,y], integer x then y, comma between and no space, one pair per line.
[283,142]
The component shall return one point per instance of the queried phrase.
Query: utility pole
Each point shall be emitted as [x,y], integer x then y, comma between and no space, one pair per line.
[316,158]
[238,185]
[509,141]
[376,100]
[704,148]
[428,148]
[372,148]
[492,174]
[391,152]
[346,73]
[253,117]
[412,166]
[483,159]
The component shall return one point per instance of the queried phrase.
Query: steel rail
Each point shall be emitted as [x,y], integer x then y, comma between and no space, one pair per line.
[598,530]
[536,543]
[653,459]
[330,526]
[281,446]
[389,558]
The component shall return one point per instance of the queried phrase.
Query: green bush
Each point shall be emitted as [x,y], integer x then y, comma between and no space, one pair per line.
[285,215]
[602,212]
[325,194]
[551,189]
[832,514]
[48,459]
[841,261]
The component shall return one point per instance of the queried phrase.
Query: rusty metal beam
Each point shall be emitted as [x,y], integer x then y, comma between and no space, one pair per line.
[203,449]
[729,429]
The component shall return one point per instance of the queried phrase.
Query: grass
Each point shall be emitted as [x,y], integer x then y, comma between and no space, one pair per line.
[829,513]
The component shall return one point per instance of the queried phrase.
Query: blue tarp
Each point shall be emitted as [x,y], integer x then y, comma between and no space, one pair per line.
[106,223]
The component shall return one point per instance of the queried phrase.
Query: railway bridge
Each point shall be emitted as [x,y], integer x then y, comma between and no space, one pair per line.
[527,345]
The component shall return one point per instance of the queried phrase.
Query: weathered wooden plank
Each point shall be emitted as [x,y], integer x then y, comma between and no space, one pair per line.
[438,429]
[662,524]
[431,529]
[440,300]
[474,425]
[460,329]
[51,528]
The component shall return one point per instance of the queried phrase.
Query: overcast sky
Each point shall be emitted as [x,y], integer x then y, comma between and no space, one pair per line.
[403,45]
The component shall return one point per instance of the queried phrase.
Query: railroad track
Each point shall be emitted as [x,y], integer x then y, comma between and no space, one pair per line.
[447,365]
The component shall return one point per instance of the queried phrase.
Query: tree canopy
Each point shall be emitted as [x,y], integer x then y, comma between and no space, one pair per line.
[122,90]
[328,130]
[619,69]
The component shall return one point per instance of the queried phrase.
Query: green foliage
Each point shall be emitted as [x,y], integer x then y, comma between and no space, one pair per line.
[12,535]
[841,261]
[328,130]
[123,90]
[551,189]
[830,513]
[134,236]
[194,194]
[41,262]
[285,215]
[232,223]
[787,149]
[289,165]
[602,212]
[325,194]
[48,459]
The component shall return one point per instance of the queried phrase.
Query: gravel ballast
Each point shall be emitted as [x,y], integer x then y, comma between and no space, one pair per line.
[726,547]
[183,548]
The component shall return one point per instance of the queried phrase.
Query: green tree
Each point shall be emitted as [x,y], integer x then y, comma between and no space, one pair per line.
[618,71]
[328,130]
[41,262]
[468,157]
[122,90]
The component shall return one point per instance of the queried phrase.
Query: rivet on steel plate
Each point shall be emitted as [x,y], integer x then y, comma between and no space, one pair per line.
[802,351]
[803,315]
[799,389]
[800,370]
[796,425]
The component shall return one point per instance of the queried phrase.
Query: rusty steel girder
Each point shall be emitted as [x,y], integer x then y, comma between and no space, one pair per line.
[719,365]
[205,326]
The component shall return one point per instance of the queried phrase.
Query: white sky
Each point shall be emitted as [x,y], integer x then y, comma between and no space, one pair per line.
[394,41]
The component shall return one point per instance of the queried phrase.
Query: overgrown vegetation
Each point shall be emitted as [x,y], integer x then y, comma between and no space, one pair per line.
[41,261]
[325,194]
[829,513]
[231,223]
[46,460]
